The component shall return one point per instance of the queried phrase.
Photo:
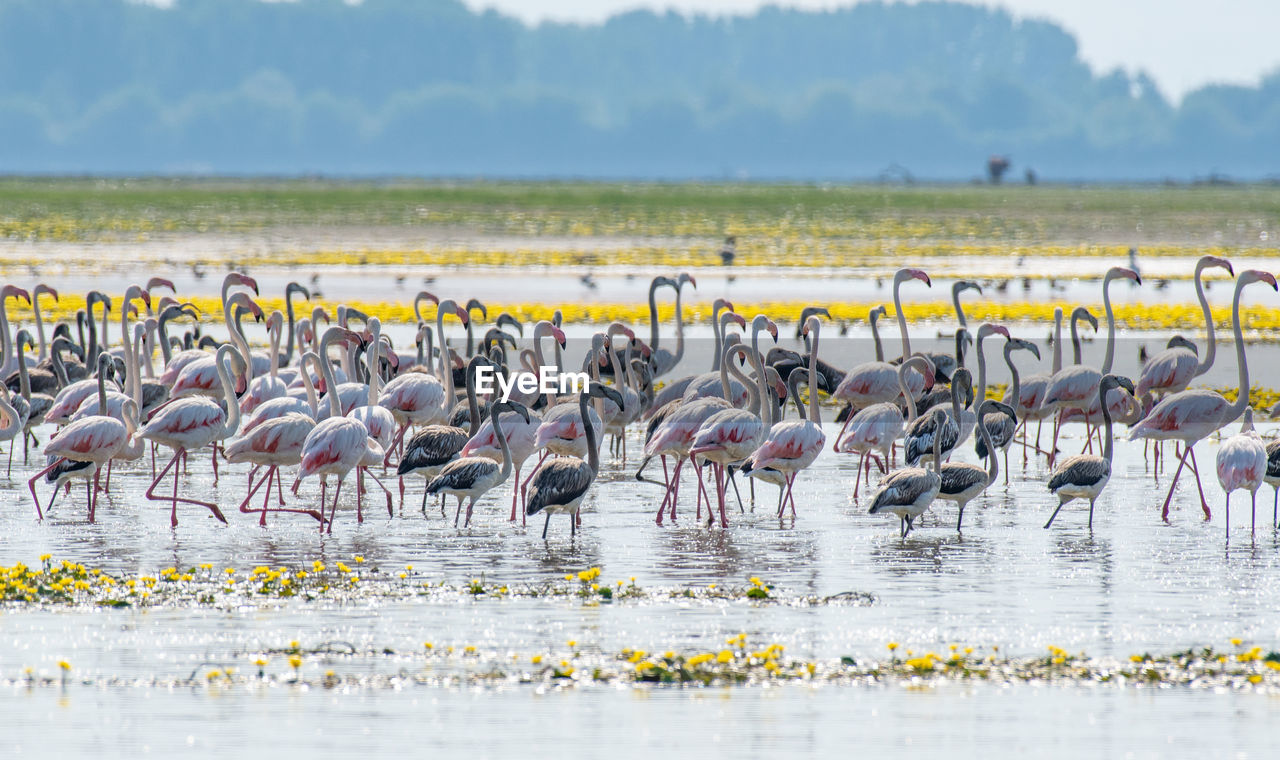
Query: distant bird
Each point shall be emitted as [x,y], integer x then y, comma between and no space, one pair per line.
[1242,463]
[1083,476]
[1273,479]
[729,251]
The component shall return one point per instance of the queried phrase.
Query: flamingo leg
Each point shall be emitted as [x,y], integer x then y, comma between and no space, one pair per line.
[1054,516]
[333,513]
[1228,520]
[737,494]
[31,484]
[1203,503]
[1253,513]
[515,491]
[546,525]
[1182,460]
[266,499]
[174,500]
[862,472]
[385,490]
[93,504]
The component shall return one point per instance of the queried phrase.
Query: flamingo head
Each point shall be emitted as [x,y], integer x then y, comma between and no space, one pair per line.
[13,291]
[462,315]
[772,327]
[686,277]
[1124,272]
[42,289]
[160,282]
[642,347]
[1261,276]
[1218,261]
[733,317]
[243,280]
[918,274]
[392,358]
[558,334]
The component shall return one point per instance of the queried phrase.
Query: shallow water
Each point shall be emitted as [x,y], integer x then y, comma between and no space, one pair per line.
[1131,585]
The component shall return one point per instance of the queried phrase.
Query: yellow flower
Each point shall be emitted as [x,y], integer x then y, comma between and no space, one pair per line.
[637,656]
[359,560]
[572,643]
[295,661]
[428,645]
[64,665]
[1255,679]
[698,659]
[45,557]
[260,662]
[893,645]
[536,659]
[1273,664]
[725,656]
[755,581]
[230,571]
[1136,658]
[1236,642]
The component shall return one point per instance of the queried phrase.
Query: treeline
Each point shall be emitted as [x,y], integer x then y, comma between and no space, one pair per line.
[429,87]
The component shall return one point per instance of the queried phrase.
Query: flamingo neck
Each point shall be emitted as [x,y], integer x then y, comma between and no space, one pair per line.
[902,318]
[719,346]
[955,299]
[912,412]
[981,391]
[753,393]
[496,415]
[446,369]
[875,336]
[35,307]
[1211,346]
[1057,343]
[1075,340]
[228,393]
[593,456]
[675,361]
[1111,326]
[288,344]
[993,461]
[1017,386]
[815,415]
[653,314]
[330,384]
[1242,400]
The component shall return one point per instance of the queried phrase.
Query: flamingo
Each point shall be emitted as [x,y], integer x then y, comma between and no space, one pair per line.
[337,444]
[434,446]
[732,435]
[919,441]
[793,446]
[1083,476]
[1075,386]
[97,440]
[472,476]
[274,443]
[1242,463]
[908,492]
[1003,426]
[663,360]
[192,423]
[1173,369]
[6,349]
[521,434]
[1195,414]
[963,482]
[879,426]
[416,398]
[1272,478]
[1029,405]
[877,382]
[674,390]
[560,484]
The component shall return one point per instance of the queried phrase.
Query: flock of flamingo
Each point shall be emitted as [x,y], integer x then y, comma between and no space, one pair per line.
[331,400]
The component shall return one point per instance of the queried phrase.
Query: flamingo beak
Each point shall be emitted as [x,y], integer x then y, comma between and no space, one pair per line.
[1002,330]
[558,334]
[693,282]
[242,385]
[25,295]
[742,322]
[249,282]
[146,298]
[773,330]
[1270,279]
[1227,266]
[393,359]
[922,276]
[462,314]
[52,292]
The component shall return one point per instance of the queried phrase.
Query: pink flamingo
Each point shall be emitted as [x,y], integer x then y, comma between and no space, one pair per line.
[97,440]
[1030,402]
[268,386]
[192,423]
[416,398]
[9,359]
[793,445]
[178,361]
[1195,414]
[1173,369]
[879,426]
[1242,463]
[336,445]
[732,435]
[1076,386]
[199,376]
[273,444]
[877,382]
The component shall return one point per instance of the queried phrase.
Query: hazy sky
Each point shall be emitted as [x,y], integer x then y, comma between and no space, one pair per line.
[1182,43]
